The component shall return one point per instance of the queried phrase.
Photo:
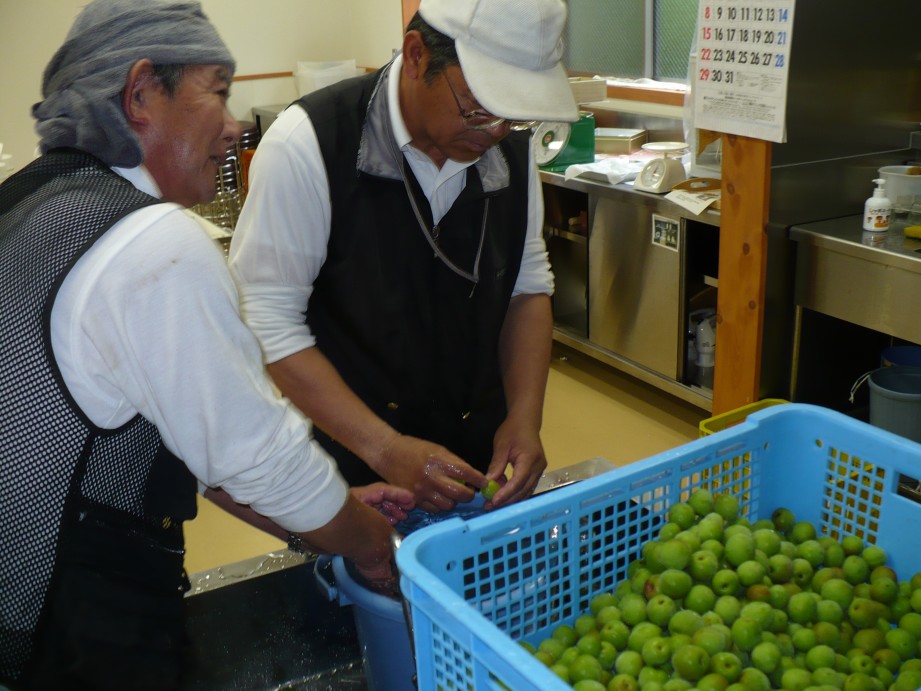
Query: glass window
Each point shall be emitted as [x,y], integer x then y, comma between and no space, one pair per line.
[631,38]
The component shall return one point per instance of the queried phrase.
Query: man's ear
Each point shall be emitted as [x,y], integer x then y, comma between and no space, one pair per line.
[137,92]
[414,56]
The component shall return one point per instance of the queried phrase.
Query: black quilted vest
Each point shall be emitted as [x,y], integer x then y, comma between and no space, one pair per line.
[55,465]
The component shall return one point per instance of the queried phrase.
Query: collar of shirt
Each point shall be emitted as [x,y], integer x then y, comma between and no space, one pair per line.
[141,178]
[441,186]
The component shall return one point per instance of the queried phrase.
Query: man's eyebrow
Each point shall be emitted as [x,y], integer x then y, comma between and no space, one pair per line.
[224,75]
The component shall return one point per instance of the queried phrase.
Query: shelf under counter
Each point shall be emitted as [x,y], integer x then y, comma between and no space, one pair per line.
[695,395]
[565,234]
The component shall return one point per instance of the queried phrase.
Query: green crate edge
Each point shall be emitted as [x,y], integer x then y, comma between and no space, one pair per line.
[718,423]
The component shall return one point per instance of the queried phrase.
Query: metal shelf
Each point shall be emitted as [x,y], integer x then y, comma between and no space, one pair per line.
[566,235]
[695,395]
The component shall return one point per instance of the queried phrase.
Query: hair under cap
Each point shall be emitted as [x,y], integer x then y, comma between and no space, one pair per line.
[510,52]
[82,84]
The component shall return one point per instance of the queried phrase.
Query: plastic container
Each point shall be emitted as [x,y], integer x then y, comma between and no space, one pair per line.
[901,355]
[381,626]
[380,622]
[902,184]
[895,400]
[718,423]
[478,587]
[691,373]
[705,346]
[877,210]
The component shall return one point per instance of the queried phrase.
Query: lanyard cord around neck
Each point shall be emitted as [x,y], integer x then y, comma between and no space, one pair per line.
[431,234]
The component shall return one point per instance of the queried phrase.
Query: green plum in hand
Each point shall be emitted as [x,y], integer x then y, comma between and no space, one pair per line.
[490,490]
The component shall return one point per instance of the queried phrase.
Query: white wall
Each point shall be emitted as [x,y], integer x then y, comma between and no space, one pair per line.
[265,37]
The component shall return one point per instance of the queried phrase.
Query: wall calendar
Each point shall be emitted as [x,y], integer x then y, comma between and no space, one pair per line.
[739,78]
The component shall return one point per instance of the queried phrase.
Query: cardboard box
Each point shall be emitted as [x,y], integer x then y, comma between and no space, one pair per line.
[588,89]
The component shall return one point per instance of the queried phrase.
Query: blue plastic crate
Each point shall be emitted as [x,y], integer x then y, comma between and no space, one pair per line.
[477,587]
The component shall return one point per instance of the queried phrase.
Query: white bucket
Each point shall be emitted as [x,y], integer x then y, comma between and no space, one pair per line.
[901,187]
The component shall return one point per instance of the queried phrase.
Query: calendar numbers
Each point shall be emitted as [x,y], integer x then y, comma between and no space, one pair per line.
[741,12]
[732,33]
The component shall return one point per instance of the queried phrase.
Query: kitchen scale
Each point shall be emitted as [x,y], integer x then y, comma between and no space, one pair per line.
[558,145]
[660,175]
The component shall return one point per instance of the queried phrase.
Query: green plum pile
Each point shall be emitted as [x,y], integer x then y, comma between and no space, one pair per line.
[718,603]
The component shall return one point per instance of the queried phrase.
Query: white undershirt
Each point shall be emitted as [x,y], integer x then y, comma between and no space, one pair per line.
[147,322]
[279,243]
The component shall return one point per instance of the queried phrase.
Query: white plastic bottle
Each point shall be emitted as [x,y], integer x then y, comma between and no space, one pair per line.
[706,351]
[877,209]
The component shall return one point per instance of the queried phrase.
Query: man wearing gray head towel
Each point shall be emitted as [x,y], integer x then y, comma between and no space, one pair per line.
[127,379]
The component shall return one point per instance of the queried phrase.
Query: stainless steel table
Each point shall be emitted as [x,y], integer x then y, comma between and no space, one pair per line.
[871,280]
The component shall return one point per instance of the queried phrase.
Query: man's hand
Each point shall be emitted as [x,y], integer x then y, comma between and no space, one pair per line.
[393,502]
[382,579]
[518,446]
[361,534]
[437,478]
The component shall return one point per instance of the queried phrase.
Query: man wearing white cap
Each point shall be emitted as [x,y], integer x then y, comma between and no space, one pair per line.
[401,213]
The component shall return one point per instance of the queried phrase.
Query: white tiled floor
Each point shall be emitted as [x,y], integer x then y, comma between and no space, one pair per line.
[591,410]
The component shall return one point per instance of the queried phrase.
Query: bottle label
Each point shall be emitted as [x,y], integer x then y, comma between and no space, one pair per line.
[876,218]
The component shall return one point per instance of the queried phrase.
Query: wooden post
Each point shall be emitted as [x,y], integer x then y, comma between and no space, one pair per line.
[746,181]
[409,9]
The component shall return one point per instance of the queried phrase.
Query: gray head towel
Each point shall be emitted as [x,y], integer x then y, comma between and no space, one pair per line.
[82,84]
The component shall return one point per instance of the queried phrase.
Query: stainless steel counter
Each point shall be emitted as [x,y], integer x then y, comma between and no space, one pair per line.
[625,191]
[626,277]
[868,279]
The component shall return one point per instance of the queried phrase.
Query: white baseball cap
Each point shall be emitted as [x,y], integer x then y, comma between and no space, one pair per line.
[510,53]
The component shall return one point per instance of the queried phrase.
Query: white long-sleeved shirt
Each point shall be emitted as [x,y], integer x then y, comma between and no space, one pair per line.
[279,243]
[148,322]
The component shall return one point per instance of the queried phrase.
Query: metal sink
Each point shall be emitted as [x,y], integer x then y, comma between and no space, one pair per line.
[271,628]
[554,479]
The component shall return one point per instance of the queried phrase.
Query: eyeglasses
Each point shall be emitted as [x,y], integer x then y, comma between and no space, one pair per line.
[481,120]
